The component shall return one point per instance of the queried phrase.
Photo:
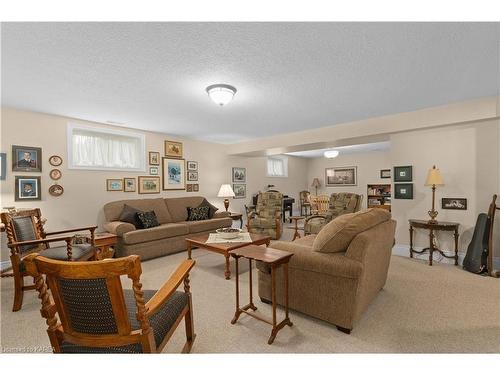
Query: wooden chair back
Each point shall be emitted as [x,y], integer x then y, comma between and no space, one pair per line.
[319,204]
[491,214]
[89,301]
[24,225]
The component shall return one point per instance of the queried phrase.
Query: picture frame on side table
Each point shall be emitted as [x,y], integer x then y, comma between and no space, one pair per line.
[403,191]
[173,149]
[239,175]
[26,159]
[114,184]
[154,158]
[129,184]
[454,203]
[149,184]
[341,176]
[403,174]
[3,165]
[174,174]
[240,191]
[28,188]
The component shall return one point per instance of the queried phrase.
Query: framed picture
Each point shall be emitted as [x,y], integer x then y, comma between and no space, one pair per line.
[403,174]
[174,174]
[239,174]
[192,165]
[114,184]
[454,203]
[3,165]
[173,149]
[403,191]
[189,188]
[56,190]
[55,174]
[196,187]
[26,159]
[28,188]
[240,191]
[192,176]
[341,176]
[55,160]
[385,173]
[149,185]
[154,171]
[154,158]
[129,184]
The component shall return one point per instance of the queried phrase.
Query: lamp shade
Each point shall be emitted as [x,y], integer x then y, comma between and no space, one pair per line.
[316,183]
[434,177]
[225,191]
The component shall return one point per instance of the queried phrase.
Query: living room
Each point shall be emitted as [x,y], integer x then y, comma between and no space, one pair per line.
[354,164]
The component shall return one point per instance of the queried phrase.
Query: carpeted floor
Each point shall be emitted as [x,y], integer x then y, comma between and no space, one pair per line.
[422,309]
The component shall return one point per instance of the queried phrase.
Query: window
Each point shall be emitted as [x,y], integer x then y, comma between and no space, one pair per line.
[277,166]
[105,149]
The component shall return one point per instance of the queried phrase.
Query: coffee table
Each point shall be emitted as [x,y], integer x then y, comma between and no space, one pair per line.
[200,240]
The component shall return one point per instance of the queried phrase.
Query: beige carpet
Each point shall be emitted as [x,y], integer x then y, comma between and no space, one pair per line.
[439,309]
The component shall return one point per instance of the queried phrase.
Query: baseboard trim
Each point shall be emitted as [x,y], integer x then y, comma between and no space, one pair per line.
[404,251]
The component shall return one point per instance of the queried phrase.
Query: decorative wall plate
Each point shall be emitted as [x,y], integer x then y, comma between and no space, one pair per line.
[55,174]
[56,190]
[55,160]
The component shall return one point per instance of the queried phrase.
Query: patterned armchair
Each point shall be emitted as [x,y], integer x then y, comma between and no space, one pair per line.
[266,219]
[339,204]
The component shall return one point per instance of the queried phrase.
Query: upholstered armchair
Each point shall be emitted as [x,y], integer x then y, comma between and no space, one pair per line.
[339,204]
[266,219]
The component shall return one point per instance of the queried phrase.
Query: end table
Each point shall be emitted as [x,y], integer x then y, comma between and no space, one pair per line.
[296,227]
[105,241]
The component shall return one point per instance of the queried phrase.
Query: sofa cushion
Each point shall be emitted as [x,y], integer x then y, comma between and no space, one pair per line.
[208,225]
[156,233]
[147,219]
[177,207]
[112,210]
[338,233]
[211,208]
[198,213]
[129,215]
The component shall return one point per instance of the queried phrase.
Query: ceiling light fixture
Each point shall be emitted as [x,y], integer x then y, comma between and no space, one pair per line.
[330,154]
[221,93]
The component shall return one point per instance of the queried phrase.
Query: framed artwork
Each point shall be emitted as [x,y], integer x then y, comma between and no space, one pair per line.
[129,184]
[154,171]
[174,174]
[403,191]
[189,188]
[341,176]
[3,165]
[56,190]
[192,176]
[55,160]
[149,185]
[240,191]
[192,165]
[55,174]
[26,159]
[173,149]
[239,174]
[154,158]
[454,203]
[28,188]
[403,174]
[114,184]
[385,173]
[196,187]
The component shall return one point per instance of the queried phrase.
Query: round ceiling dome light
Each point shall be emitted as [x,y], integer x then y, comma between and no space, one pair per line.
[330,154]
[221,93]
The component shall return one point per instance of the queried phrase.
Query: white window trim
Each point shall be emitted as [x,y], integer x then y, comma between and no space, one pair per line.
[285,165]
[141,137]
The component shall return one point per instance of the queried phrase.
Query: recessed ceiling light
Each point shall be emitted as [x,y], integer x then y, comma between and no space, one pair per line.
[221,93]
[330,154]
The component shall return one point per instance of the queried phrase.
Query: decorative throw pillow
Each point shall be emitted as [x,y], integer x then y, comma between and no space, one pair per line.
[129,215]
[147,219]
[198,213]
[211,208]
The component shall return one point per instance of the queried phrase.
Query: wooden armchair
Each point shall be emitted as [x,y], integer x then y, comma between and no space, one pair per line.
[25,235]
[98,316]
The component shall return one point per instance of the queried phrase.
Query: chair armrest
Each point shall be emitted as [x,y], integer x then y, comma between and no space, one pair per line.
[119,227]
[36,242]
[166,291]
[315,217]
[334,264]
[90,228]
[221,214]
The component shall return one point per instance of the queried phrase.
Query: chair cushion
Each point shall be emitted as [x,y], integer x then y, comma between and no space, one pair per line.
[23,226]
[129,215]
[156,233]
[161,322]
[79,251]
[147,219]
[263,222]
[208,225]
[338,233]
[198,213]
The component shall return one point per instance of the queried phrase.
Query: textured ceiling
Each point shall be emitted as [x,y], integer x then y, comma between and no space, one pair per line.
[289,76]
[344,150]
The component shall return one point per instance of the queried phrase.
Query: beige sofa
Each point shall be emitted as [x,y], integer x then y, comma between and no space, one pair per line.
[169,236]
[337,273]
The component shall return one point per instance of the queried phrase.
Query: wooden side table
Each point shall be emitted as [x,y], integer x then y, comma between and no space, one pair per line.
[236,216]
[433,227]
[105,242]
[296,227]
[274,258]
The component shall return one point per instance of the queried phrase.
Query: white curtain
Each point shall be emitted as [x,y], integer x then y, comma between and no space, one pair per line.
[105,150]
[275,167]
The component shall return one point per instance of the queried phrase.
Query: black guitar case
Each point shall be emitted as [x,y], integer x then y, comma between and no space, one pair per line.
[476,258]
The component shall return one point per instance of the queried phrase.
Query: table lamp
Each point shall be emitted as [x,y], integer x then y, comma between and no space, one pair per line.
[316,184]
[434,179]
[226,192]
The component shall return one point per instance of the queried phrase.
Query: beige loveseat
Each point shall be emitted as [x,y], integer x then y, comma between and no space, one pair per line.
[169,236]
[337,273]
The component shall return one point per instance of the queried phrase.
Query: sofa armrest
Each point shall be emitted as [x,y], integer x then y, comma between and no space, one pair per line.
[335,264]
[119,227]
[221,214]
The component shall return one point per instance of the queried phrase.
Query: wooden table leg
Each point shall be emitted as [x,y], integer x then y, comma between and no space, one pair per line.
[411,241]
[285,270]
[189,250]
[273,299]
[250,305]
[227,271]
[237,313]
[456,246]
